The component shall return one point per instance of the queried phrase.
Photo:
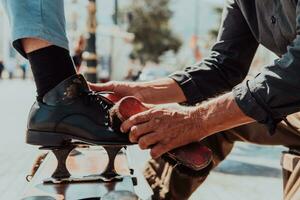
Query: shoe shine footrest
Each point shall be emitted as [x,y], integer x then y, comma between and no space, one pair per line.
[83,179]
[62,174]
[86,181]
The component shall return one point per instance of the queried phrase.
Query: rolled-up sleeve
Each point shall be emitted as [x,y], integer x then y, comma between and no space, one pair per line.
[275,92]
[40,19]
[228,63]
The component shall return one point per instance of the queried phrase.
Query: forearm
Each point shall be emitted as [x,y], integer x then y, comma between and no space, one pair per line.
[161,91]
[219,114]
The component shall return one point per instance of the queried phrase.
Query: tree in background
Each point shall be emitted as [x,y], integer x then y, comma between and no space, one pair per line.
[149,22]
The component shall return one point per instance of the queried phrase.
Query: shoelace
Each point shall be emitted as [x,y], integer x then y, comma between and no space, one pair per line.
[96,97]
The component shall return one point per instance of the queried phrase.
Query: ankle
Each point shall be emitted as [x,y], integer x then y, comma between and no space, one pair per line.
[50,66]
[33,44]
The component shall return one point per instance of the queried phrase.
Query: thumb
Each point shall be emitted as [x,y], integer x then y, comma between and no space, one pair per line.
[109,86]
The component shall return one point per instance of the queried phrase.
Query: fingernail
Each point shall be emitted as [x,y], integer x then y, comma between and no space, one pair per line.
[131,140]
[122,130]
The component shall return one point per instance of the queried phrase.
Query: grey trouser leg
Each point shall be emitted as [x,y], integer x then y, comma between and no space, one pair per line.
[168,183]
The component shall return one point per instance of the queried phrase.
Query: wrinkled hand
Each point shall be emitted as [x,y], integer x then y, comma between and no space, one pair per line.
[120,89]
[160,91]
[163,128]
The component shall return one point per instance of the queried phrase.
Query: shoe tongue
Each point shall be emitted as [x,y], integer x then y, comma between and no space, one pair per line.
[66,91]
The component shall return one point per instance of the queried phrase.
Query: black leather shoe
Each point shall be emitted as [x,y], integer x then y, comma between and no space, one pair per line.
[71,112]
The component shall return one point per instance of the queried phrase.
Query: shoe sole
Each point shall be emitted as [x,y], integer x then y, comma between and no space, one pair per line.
[51,139]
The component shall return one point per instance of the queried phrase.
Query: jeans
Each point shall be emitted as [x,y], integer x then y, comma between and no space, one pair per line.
[42,19]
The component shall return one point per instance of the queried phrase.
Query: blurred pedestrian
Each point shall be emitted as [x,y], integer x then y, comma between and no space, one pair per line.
[24,66]
[11,67]
[1,68]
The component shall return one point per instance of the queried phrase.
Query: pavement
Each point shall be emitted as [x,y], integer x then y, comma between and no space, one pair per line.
[251,172]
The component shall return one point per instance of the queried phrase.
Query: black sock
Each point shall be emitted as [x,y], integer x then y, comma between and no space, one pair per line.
[50,66]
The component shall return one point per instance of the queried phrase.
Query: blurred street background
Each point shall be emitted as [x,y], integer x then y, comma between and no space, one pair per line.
[132,42]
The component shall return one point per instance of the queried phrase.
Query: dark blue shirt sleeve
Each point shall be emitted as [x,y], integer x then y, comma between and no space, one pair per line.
[275,92]
[228,63]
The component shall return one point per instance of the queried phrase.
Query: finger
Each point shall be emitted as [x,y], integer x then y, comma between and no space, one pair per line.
[148,140]
[135,119]
[139,130]
[159,149]
[109,86]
